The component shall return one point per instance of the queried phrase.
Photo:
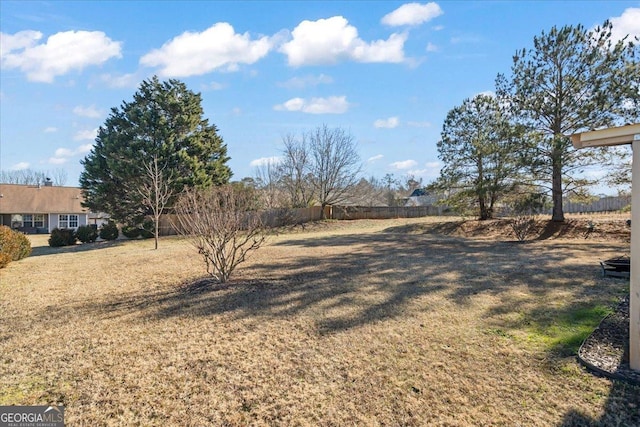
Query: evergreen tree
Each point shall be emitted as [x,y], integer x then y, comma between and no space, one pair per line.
[573,80]
[163,124]
[480,152]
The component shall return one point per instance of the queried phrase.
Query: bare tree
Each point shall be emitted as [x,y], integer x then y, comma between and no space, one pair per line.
[368,192]
[156,191]
[268,178]
[57,177]
[294,171]
[335,164]
[219,224]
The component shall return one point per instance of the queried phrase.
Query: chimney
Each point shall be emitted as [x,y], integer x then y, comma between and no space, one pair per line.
[48,182]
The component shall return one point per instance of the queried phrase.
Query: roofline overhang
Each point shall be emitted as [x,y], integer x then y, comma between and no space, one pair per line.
[620,135]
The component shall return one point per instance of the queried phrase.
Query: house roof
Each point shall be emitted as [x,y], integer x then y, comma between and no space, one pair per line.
[419,192]
[32,199]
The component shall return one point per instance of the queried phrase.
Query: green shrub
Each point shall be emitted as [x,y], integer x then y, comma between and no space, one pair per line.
[62,237]
[131,231]
[109,231]
[87,234]
[148,229]
[13,246]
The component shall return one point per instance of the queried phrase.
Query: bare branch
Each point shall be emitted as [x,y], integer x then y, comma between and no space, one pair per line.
[220,226]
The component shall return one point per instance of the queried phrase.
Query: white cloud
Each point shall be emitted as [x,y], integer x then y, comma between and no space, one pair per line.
[294,104]
[84,148]
[213,86]
[63,52]
[328,41]
[431,170]
[626,24]
[63,152]
[86,135]
[419,124]
[432,47]
[57,160]
[121,81]
[412,14]
[50,129]
[404,164]
[330,105]
[218,47]
[90,111]
[18,41]
[62,155]
[20,166]
[390,123]
[263,161]
[438,28]
[489,93]
[302,82]
[375,158]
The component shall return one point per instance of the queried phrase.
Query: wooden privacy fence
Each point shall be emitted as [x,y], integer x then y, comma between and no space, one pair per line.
[605,204]
[270,218]
[384,212]
[282,217]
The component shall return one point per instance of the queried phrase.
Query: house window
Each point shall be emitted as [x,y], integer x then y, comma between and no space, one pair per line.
[16,221]
[29,220]
[68,221]
[38,220]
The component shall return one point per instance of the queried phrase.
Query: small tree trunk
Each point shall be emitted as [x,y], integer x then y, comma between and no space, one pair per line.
[484,213]
[556,190]
[157,228]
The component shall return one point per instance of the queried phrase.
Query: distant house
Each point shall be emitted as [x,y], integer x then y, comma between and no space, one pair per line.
[41,208]
[420,197]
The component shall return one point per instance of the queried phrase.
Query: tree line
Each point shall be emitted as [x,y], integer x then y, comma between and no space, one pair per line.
[158,152]
[57,177]
[515,147]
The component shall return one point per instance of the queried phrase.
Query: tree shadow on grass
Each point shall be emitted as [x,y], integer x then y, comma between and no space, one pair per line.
[347,281]
[80,247]
[621,409]
[356,279]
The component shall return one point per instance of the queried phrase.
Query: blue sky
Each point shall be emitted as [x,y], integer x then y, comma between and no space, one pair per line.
[386,71]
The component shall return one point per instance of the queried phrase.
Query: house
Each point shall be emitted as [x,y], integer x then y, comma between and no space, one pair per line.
[41,208]
[420,197]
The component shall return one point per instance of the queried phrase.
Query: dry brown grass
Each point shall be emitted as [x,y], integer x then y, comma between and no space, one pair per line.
[353,323]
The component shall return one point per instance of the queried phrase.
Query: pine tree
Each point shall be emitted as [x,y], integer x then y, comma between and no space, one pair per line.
[164,124]
[573,80]
[479,150]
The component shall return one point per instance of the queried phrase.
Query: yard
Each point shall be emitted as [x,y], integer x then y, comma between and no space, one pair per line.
[388,322]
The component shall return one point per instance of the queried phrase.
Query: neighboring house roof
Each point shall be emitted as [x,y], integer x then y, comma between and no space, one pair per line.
[419,192]
[33,199]
[421,197]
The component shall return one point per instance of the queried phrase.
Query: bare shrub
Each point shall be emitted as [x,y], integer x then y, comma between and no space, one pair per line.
[220,225]
[522,226]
